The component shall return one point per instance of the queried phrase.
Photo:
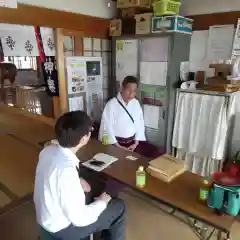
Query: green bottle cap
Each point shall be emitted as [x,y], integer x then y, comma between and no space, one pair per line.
[140,168]
[205,182]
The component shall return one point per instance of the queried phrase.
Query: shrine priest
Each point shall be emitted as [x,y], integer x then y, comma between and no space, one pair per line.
[122,122]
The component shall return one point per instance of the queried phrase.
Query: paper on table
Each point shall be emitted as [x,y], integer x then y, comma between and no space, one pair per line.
[220,42]
[151,116]
[102,157]
[76,103]
[132,158]
[154,73]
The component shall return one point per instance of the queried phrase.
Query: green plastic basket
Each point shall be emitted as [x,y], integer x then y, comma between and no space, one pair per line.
[166,7]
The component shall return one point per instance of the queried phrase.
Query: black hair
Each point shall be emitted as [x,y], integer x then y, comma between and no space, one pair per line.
[71,127]
[129,79]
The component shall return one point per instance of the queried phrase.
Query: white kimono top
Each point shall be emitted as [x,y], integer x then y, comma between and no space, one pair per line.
[116,122]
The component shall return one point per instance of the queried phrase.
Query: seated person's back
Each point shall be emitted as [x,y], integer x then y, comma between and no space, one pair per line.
[59,192]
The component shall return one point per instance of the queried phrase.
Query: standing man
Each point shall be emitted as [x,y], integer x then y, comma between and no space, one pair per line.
[123,124]
[59,197]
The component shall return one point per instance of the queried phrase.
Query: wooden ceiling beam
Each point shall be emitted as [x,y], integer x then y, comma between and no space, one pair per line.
[38,16]
[204,21]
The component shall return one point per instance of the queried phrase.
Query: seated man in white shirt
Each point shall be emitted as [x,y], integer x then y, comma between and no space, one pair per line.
[123,124]
[59,196]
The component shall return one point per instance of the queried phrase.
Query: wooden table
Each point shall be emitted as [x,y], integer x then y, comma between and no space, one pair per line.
[182,194]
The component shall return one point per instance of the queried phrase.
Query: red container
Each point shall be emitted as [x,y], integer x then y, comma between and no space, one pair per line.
[226,179]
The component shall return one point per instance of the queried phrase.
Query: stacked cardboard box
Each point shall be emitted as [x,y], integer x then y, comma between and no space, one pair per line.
[219,82]
[134,18]
[137,17]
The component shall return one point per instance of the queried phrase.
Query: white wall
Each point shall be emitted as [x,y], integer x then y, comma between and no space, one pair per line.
[195,7]
[96,8]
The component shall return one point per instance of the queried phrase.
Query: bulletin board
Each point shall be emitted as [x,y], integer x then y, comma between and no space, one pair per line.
[210,45]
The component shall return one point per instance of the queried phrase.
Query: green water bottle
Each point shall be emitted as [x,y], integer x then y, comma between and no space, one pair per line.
[140,177]
[204,190]
[104,136]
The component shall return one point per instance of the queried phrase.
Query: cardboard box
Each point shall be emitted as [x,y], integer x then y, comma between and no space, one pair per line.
[220,87]
[221,70]
[115,28]
[166,168]
[172,24]
[143,23]
[133,3]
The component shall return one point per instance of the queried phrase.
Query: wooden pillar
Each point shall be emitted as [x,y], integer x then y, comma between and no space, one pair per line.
[61,105]
[78,46]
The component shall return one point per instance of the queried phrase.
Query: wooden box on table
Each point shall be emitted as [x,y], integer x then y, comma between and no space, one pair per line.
[166,168]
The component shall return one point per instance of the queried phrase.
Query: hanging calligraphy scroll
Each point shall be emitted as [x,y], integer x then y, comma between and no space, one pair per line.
[48,63]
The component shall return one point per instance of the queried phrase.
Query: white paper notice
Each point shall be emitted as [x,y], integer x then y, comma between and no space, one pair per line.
[154,49]
[8,3]
[220,42]
[151,116]
[198,48]
[76,103]
[95,105]
[126,58]
[154,73]
[76,75]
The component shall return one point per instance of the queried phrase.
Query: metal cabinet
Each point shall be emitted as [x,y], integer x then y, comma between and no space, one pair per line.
[155,59]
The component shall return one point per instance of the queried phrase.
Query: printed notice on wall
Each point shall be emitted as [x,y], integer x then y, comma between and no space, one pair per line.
[8,3]
[76,75]
[126,58]
[220,42]
[76,103]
